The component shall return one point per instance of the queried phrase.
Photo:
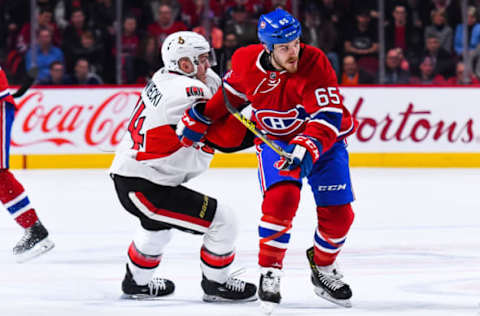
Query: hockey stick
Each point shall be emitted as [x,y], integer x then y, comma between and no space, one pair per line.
[252,128]
[31,76]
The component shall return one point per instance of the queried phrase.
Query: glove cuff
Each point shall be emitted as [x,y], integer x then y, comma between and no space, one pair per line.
[193,113]
[313,147]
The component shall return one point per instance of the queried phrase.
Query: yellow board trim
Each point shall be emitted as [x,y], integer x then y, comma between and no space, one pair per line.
[249,160]
[416,160]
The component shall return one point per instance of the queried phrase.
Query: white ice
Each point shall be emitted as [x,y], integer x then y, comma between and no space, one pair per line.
[414,248]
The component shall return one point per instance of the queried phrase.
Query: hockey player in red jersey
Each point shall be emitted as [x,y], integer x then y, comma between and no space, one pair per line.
[296,101]
[35,240]
[150,167]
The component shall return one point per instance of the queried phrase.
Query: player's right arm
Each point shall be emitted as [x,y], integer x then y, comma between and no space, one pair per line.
[197,120]
[4,92]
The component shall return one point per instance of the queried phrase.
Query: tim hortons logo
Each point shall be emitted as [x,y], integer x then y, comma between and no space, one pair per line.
[76,124]
[411,124]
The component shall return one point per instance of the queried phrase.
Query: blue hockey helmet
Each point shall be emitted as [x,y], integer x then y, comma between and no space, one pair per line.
[278,27]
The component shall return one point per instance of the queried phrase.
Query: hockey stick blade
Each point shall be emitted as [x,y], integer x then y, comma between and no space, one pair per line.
[251,127]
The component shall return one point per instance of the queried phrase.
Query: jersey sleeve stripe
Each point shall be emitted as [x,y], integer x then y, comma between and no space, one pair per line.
[332,117]
[230,89]
[4,93]
[327,109]
[327,124]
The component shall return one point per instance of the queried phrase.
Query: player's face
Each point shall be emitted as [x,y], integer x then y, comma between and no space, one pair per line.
[285,56]
[203,65]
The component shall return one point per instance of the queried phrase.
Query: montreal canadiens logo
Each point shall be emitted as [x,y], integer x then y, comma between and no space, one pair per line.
[279,123]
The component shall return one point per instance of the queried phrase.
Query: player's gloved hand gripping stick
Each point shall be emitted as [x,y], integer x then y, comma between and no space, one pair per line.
[252,128]
[296,159]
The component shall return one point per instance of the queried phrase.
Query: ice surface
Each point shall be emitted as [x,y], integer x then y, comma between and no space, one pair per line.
[414,248]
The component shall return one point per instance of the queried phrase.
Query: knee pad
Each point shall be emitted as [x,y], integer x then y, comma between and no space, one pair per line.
[222,233]
[281,201]
[10,188]
[335,221]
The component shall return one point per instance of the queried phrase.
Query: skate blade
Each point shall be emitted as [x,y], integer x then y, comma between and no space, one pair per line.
[323,294]
[267,307]
[40,248]
[142,297]
[217,299]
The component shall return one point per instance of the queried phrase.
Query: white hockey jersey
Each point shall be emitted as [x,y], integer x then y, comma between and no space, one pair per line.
[150,149]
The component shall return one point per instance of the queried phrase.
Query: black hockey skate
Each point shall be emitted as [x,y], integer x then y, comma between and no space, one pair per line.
[327,283]
[33,243]
[269,289]
[156,288]
[233,290]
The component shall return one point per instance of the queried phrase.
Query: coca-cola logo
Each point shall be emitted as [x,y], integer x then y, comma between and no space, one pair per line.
[74,124]
[411,124]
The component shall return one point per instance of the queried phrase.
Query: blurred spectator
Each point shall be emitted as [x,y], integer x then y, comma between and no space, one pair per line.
[82,74]
[361,41]
[17,13]
[219,7]
[450,6]
[130,47]
[403,34]
[404,64]
[91,50]
[57,75]
[72,36]
[63,10]
[443,60]
[192,12]
[46,54]
[165,24]
[394,74]
[141,10]
[473,32]
[242,25]
[353,76]
[148,60]
[44,21]
[427,74]
[321,33]
[274,4]
[334,11]
[459,78]
[440,29]
[230,45]
[102,15]
[215,37]
[367,6]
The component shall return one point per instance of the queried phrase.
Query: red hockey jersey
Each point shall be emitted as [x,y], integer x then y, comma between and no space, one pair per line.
[4,92]
[307,102]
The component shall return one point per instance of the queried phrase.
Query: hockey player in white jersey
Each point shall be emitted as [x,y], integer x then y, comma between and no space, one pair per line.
[150,166]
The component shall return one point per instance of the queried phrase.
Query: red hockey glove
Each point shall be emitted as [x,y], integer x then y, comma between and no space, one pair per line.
[305,152]
[192,127]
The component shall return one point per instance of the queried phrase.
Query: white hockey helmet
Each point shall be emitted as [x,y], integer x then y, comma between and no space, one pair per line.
[183,44]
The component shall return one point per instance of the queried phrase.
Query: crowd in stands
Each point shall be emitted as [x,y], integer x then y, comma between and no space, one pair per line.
[75,39]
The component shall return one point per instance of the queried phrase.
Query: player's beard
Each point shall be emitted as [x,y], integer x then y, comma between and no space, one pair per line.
[290,65]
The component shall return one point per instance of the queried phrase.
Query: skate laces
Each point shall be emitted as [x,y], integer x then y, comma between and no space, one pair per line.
[330,277]
[156,285]
[235,284]
[270,282]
